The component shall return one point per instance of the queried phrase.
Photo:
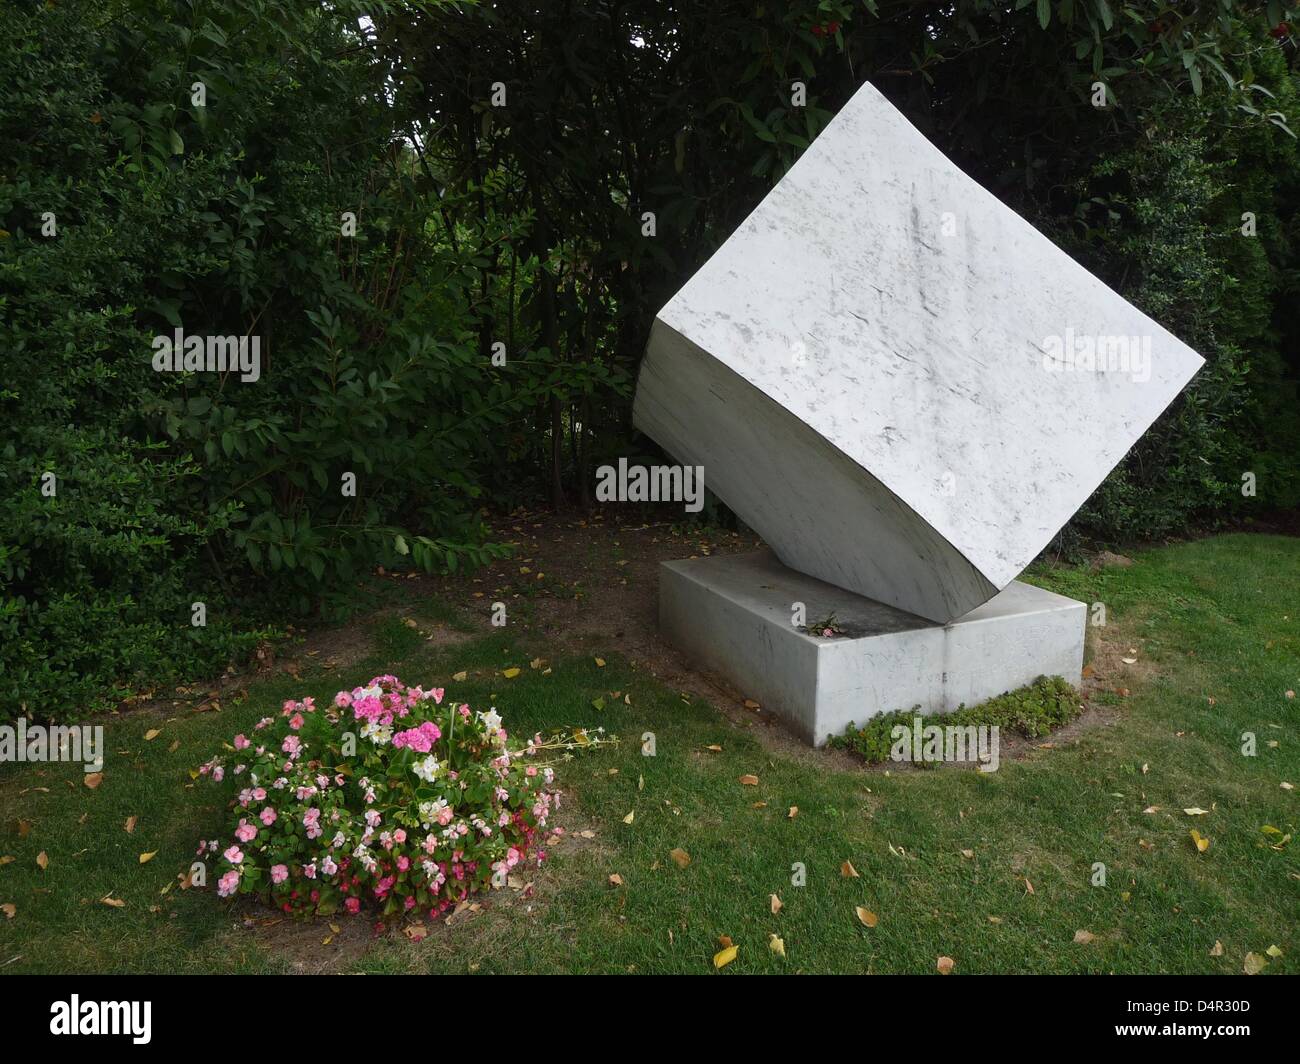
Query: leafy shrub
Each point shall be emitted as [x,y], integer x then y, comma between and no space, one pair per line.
[128,210]
[1030,711]
[424,804]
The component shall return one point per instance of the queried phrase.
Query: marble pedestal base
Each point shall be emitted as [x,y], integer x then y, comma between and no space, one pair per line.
[733,615]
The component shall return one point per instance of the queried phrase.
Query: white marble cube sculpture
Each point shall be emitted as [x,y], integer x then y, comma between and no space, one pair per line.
[899,383]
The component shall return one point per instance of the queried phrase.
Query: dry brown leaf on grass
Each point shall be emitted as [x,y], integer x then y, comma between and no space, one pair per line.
[43,860]
[1082,938]
[944,965]
[151,735]
[968,854]
[415,932]
[615,880]
[1254,964]
[112,902]
[775,904]
[794,812]
[1196,810]
[680,857]
[630,817]
[1029,887]
[9,909]
[868,918]
[460,677]
[848,871]
[94,779]
[129,826]
[749,781]
[1217,949]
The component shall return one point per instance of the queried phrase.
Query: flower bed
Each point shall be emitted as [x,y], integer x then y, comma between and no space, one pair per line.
[392,798]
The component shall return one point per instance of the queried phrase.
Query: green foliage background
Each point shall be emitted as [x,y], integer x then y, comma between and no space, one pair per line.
[480,226]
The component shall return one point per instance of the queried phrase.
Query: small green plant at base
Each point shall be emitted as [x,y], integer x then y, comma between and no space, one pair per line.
[827,628]
[1030,711]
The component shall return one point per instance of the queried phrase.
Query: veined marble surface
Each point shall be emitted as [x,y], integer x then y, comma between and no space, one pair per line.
[863,371]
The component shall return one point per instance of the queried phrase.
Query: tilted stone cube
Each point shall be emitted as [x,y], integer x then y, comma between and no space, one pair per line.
[893,378]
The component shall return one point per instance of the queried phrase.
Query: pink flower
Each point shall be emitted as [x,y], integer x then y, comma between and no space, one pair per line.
[245,832]
[279,873]
[242,743]
[267,816]
[296,721]
[228,884]
[234,855]
[353,905]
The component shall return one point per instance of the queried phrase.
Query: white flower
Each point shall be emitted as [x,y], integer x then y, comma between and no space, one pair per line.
[427,769]
[377,734]
[491,719]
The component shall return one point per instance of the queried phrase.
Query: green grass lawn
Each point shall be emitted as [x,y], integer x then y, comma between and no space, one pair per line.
[1215,626]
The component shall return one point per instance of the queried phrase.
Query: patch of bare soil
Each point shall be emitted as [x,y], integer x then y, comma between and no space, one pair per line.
[590,585]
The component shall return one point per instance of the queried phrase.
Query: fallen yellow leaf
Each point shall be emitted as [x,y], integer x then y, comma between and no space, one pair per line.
[145,858]
[151,735]
[510,674]
[724,957]
[868,918]
[1202,843]
[776,945]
